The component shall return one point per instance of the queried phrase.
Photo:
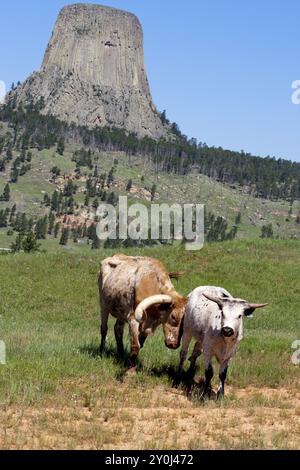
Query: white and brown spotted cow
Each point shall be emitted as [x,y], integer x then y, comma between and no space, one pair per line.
[137,290]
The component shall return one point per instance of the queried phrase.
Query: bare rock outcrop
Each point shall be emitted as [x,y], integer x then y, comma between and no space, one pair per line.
[93,73]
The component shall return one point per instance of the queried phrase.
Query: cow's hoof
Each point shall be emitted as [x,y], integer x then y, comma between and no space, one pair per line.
[131,371]
[176,382]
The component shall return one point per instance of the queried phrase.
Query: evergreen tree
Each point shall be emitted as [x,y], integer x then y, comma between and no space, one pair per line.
[96,174]
[95,204]
[41,228]
[51,220]
[17,244]
[86,201]
[46,200]
[14,175]
[153,191]
[64,236]
[12,213]
[61,146]
[30,243]
[56,229]
[238,219]
[110,178]
[129,185]
[55,202]
[3,219]
[267,231]
[6,193]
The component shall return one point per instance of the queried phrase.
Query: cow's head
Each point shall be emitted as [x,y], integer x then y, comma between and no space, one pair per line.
[165,310]
[232,313]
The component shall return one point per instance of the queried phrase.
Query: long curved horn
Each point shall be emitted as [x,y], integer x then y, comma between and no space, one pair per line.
[146,303]
[214,299]
[257,305]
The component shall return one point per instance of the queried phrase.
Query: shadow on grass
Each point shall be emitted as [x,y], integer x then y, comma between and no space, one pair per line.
[192,387]
[111,353]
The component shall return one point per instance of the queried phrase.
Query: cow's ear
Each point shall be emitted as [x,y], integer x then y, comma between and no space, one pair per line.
[251,307]
[248,312]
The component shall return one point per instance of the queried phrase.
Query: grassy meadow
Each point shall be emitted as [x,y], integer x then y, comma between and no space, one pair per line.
[57,392]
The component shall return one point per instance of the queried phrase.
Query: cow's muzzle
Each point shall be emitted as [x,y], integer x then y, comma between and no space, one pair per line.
[172,345]
[227,331]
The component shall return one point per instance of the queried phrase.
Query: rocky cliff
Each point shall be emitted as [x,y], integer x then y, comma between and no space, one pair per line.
[93,72]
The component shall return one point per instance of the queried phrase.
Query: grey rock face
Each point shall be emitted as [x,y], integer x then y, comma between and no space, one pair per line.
[93,72]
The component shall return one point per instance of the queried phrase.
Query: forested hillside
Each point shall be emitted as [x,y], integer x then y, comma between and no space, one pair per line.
[54,176]
[263,177]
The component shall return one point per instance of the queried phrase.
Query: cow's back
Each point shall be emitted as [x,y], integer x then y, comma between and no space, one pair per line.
[124,281]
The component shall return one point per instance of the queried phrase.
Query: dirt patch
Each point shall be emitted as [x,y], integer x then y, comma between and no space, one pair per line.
[159,419]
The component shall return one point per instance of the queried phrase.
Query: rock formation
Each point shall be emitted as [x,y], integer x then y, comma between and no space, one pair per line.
[93,72]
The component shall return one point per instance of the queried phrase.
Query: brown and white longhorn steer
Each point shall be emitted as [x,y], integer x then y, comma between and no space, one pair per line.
[137,290]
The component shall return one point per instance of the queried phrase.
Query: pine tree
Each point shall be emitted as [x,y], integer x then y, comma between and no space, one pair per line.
[41,228]
[110,177]
[51,219]
[64,236]
[17,244]
[55,202]
[61,146]
[30,243]
[3,219]
[238,219]
[96,174]
[14,175]
[46,200]
[153,191]
[129,185]
[56,229]
[12,213]
[6,193]
[267,231]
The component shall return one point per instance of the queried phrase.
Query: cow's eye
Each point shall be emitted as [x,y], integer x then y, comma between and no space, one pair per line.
[240,316]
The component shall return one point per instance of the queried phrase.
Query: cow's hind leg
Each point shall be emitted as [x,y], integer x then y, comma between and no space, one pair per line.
[186,339]
[103,329]
[119,329]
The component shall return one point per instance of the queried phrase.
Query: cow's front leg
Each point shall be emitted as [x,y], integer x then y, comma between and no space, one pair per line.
[119,328]
[134,340]
[142,339]
[222,377]
[209,373]
[196,353]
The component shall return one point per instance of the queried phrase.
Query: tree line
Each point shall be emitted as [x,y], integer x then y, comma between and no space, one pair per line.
[262,177]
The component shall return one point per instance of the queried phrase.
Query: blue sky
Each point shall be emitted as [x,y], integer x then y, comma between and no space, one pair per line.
[222,69]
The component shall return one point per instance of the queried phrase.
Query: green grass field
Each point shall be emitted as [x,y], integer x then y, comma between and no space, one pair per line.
[57,392]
